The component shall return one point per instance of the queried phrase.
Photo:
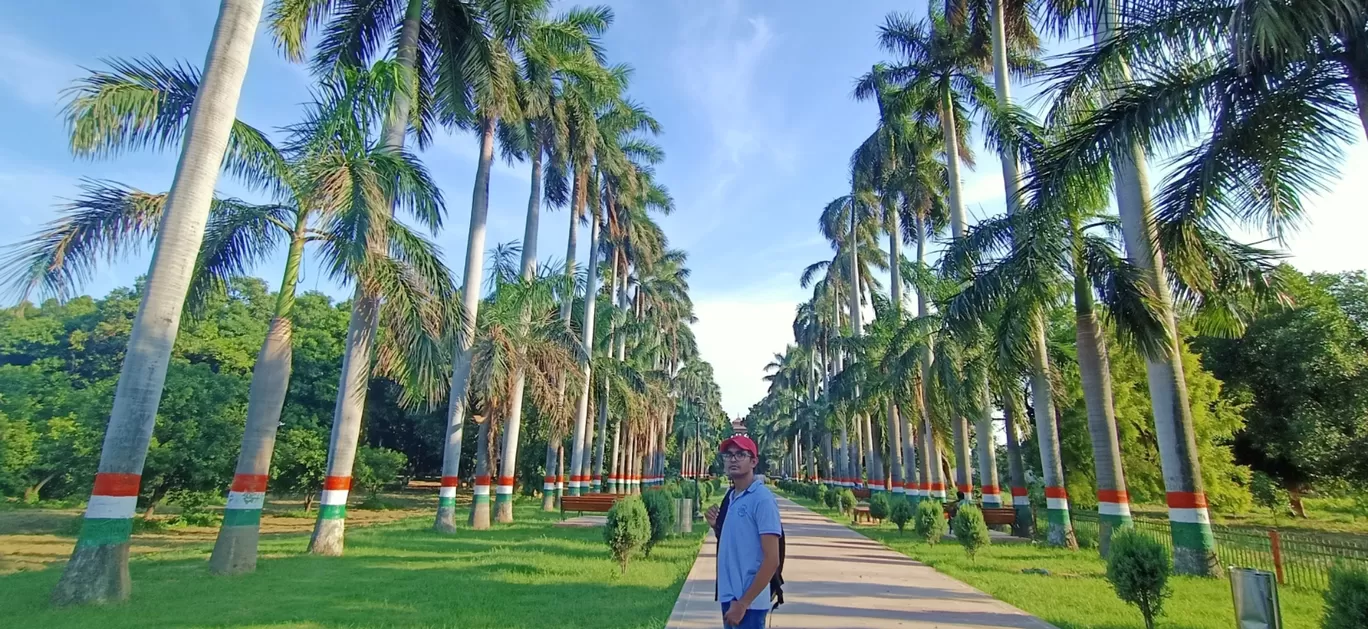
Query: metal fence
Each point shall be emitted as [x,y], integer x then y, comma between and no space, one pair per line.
[1298,559]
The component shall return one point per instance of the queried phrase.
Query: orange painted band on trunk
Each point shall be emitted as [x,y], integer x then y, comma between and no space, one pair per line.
[506,481]
[451,481]
[111,484]
[337,482]
[549,479]
[1019,491]
[937,486]
[1186,500]
[1113,495]
[991,489]
[965,489]
[1056,492]
[249,482]
[596,477]
[482,479]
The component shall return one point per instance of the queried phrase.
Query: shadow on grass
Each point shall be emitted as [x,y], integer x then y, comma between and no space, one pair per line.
[403,575]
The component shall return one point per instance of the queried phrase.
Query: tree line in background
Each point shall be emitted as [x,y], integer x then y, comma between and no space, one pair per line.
[215,383]
[1145,355]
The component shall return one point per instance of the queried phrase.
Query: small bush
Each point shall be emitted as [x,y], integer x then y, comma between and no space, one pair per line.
[878,506]
[195,508]
[930,521]
[819,494]
[660,510]
[377,468]
[627,530]
[1138,569]
[900,512]
[847,501]
[1346,602]
[970,529]
[832,499]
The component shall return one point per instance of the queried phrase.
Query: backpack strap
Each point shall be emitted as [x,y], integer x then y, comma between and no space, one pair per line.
[717,528]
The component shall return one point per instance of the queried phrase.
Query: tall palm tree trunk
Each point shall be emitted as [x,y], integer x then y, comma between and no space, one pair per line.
[578,443]
[1113,504]
[601,435]
[949,128]
[615,472]
[1060,531]
[549,480]
[503,511]
[1024,525]
[932,487]
[871,444]
[235,549]
[1194,547]
[329,530]
[98,570]
[484,469]
[988,472]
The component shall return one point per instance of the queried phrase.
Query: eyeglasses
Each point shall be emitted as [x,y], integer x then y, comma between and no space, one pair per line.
[736,456]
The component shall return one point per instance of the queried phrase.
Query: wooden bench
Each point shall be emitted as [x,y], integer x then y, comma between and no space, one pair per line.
[862,513]
[592,503]
[861,493]
[991,516]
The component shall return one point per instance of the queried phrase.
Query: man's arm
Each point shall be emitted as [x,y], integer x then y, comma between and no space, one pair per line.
[769,544]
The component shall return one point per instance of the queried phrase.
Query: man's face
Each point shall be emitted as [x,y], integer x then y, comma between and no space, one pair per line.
[738,462]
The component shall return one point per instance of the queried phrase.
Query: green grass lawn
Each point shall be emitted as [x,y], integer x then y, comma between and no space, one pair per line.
[1076,594]
[529,574]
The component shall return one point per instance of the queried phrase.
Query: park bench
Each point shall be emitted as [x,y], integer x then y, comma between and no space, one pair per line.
[862,513]
[861,493]
[1002,516]
[592,503]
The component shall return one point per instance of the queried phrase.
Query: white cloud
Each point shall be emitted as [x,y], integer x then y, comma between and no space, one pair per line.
[739,336]
[31,73]
[466,147]
[1330,240]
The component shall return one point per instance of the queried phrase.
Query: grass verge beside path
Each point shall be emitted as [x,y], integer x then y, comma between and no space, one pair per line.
[529,574]
[1076,594]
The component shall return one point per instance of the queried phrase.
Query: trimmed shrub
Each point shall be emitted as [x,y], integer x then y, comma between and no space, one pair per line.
[1346,602]
[819,494]
[1138,568]
[930,521]
[847,501]
[660,510]
[627,530]
[832,499]
[900,512]
[970,529]
[878,506]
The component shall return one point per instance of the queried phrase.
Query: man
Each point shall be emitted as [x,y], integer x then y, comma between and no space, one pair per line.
[747,539]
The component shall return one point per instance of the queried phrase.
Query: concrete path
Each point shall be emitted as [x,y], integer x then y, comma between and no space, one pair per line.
[836,577]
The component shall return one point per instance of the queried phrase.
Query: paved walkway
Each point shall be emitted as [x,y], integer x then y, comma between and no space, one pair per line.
[839,578]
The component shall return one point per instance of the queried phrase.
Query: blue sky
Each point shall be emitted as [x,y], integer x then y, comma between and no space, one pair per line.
[758,125]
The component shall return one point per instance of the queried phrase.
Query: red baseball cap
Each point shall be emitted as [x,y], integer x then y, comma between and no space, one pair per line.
[740,441]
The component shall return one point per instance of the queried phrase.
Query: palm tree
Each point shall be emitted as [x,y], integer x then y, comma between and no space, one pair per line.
[546,54]
[98,570]
[313,209]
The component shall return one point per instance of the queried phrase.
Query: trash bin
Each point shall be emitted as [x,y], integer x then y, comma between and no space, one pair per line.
[683,515]
[1256,599]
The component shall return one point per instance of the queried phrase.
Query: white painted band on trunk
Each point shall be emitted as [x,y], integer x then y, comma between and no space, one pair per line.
[574,484]
[482,490]
[504,490]
[548,487]
[1190,516]
[1114,508]
[334,497]
[246,499]
[1057,504]
[446,492]
[111,507]
[992,499]
[1021,501]
[899,490]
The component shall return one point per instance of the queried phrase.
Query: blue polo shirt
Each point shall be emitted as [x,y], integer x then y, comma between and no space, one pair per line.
[752,513]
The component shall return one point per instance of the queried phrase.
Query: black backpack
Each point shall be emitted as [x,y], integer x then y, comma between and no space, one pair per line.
[777,581]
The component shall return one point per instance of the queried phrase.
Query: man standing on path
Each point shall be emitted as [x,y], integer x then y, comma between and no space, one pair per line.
[748,531]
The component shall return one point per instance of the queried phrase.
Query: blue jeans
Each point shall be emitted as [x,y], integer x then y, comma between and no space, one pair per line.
[755,618]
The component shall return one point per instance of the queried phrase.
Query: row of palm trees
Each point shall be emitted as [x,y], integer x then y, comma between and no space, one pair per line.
[1251,101]
[535,86]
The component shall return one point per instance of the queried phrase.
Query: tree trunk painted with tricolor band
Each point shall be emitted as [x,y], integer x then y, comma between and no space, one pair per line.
[1113,503]
[988,472]
[1194,547]
[98,570]
[578,482]
[549,479]
[1024,526]
[615,469]
[959,428]
[484,472]
[1060,532]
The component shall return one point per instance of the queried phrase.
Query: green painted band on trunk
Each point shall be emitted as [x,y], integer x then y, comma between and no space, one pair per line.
[242,517]
[481,499]
[105,531]
[447,502]
[1193,536]
[1059,517]
[332,512]
[1117,521]
[503,499]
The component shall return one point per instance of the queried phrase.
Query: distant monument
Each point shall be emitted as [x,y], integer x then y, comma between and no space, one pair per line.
[738,426]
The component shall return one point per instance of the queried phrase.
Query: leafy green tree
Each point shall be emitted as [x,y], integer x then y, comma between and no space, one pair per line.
[930,521]
[969,528]
[1302,371]
[1270,495]
[300,462]
[879,506]
[1138,568]
[628,529]
[378,468]
[198,422]
[660,510]
[900,512]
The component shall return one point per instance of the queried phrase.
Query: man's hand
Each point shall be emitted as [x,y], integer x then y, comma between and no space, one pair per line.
[711,516]
[736,612]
